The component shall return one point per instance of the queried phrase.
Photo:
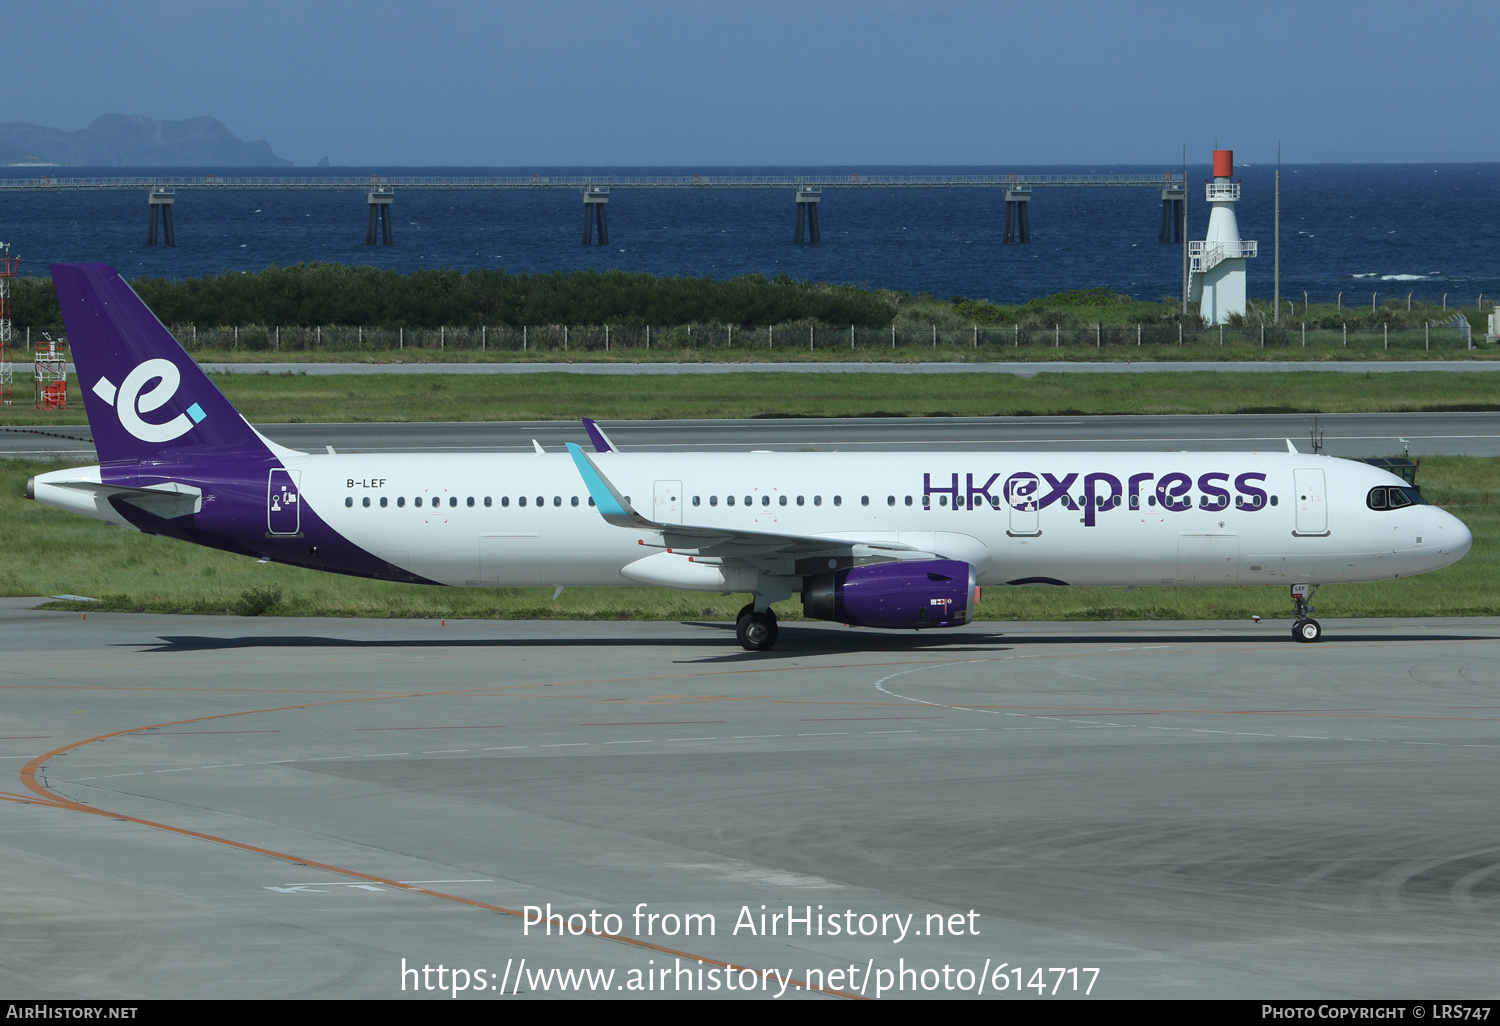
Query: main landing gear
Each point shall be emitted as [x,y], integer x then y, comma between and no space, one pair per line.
[1305,628]
[757,632]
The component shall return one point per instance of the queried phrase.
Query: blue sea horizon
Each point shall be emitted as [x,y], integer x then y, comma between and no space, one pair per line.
[1357,229]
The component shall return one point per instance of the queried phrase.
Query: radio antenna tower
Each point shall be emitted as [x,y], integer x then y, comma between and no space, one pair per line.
[8,270]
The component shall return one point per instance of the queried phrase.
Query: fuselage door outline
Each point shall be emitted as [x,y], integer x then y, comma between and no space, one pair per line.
[1311,500]
[1022,495]
[284,503]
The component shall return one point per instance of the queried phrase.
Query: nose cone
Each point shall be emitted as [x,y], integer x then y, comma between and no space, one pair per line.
[1453,537]
[1461,538]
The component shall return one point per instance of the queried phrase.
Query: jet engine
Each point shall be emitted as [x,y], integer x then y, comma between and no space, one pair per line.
[916,594]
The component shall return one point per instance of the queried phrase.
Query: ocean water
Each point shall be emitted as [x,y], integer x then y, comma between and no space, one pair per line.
[1357,229]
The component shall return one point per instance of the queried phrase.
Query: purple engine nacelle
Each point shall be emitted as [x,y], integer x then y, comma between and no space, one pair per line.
[918,594]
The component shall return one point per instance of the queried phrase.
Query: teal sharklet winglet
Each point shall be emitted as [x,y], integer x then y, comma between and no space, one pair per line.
[610,503]
[711,541]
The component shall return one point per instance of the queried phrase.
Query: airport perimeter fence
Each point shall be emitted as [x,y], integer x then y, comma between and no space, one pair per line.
[818,338]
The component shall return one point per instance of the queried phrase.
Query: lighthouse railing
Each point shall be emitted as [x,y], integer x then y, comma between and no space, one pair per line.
[1206,257]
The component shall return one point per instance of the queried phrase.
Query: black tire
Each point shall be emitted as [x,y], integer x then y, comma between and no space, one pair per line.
[1307,630]
[757,632]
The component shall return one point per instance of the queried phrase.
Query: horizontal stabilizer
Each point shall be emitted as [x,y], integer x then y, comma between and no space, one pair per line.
[168,500]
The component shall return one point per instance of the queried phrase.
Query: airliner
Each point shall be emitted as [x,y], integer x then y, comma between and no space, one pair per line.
[896,540]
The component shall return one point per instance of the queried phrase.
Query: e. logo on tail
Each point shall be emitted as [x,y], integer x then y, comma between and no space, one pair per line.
[129,404]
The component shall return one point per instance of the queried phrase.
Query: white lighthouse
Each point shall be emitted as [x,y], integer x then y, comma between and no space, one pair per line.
[1218,262]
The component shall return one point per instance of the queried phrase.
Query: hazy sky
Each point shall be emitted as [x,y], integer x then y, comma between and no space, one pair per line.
[813,82]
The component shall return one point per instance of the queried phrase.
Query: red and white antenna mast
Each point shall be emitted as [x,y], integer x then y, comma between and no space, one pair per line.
[9,268]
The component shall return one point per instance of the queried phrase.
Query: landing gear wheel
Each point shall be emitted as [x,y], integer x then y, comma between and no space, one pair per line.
[1304,627]
[1307,630]
[757,632]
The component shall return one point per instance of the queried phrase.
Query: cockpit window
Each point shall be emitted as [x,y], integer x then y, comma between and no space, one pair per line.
[1394,497]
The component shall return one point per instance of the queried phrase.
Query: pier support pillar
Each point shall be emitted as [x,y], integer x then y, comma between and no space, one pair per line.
[1171,214]
[1017,214]
[808,198]
[594,200]
[380,199]
[161,199]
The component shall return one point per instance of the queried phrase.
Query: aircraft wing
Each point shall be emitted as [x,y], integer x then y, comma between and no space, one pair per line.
[716,542]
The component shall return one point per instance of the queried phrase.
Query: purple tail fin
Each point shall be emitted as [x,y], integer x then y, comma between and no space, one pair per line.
[146,398]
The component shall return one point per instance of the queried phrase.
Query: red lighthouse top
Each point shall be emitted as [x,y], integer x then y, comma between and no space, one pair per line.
[1223,163]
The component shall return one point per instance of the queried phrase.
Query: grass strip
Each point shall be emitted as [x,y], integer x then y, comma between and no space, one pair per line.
[1325,348]
[337,398]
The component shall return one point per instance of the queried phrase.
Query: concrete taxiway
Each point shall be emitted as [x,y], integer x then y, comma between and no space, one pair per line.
[219,807]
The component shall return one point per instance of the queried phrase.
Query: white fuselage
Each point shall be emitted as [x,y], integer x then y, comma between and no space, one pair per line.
[1312,525]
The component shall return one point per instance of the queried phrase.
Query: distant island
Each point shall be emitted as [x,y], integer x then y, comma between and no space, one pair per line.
[126,140]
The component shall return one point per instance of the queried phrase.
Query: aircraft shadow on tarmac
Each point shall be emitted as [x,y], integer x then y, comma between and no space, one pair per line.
[795,641]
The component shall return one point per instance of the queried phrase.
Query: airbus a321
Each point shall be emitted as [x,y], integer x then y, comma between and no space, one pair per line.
[883,540]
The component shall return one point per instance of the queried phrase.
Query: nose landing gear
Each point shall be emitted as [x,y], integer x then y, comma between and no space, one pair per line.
[1305,628]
